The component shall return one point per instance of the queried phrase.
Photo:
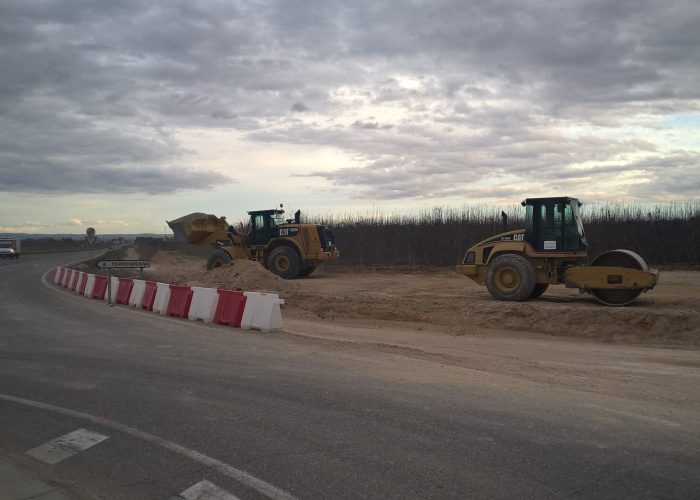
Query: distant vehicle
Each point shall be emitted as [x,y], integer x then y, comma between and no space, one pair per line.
[10,248]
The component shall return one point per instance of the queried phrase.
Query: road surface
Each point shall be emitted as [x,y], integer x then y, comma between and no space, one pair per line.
[122,404]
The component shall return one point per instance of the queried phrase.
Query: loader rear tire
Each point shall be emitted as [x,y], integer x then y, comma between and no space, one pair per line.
[539,289]
[307,271]
[284,262]
[218,258]
[510,277]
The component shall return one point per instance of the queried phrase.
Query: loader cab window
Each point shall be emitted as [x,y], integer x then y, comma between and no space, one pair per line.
[262,229]
[553,225]
[276,220]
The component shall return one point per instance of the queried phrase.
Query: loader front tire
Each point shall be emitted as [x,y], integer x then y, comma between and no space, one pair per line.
[218,258]
[284,262]
[511,277]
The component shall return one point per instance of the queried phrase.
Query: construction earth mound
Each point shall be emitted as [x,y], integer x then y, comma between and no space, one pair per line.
[440,298]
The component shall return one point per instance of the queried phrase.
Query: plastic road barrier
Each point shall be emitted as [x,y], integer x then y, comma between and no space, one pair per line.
[124,290]
[204,303]
[229,310]
[89,285]
[74,280]
[58,275]
[262,312]
[100,289]
[179,301]
[83,283]
[160,304]
[66,278]
[149,295]
[115,287]
[139,286]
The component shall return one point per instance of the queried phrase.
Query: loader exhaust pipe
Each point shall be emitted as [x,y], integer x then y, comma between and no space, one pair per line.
[504,216]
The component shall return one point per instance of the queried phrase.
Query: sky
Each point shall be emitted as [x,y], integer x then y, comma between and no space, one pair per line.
[124,114]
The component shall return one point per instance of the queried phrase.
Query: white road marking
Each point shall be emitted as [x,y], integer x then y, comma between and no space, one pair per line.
[204,490]
[66,446]
[241,476]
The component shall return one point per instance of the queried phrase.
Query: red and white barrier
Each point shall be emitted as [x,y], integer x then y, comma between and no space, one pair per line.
[262,312]
[80,289]
[137,293]
[58,275]
[160,304]
[247,310]
[114,283]
[204,302]
[124,290]
[66,278]
[89,286]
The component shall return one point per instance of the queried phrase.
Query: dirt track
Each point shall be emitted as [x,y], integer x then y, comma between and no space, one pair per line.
[440,300]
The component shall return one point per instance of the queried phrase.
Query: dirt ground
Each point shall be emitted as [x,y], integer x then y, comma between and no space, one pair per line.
[437,300]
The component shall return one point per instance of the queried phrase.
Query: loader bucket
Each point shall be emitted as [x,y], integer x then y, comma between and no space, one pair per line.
[198,228]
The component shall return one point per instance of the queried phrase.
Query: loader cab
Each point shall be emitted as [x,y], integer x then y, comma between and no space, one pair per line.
[263,225]
[554,225]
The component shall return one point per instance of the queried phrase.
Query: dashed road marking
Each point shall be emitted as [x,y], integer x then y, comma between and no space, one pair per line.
[239,475]
[66,446]
[204,490]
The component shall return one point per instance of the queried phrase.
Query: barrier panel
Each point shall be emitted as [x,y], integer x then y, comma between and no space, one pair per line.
[89,285]
[58,276]
[138,287]
[74,280]
[149,295]
[115,288]
[262,312]
[179,301]
[229,310]
[66,278]
[204,304]
[100,288]
[83,283]
[160,304]
[124,290]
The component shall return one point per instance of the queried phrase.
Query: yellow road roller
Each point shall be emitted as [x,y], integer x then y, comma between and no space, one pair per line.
[551,250]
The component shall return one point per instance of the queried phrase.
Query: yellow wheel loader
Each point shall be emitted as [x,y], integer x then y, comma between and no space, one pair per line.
[286,248]
[552,249]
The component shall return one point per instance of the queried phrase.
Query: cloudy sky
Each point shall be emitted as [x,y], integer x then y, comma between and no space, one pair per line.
[122,114]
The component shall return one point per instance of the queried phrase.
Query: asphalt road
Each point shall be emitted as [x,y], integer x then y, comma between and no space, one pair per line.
[280,416]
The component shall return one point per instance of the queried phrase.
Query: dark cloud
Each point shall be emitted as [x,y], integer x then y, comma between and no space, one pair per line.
[429,97]
[299,107]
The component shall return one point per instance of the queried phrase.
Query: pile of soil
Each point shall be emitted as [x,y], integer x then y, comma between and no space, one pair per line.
[245,275]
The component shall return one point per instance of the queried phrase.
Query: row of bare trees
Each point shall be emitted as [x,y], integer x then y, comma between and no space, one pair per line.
[663,234]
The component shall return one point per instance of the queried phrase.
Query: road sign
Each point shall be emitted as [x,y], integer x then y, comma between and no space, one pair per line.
[123,264]
[90,236]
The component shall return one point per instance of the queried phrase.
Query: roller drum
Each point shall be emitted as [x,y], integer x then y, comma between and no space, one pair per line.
[618,258]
